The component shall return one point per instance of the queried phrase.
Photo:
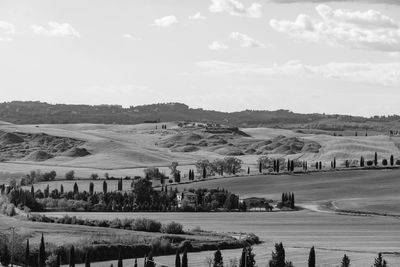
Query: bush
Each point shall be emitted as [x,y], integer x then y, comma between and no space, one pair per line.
[147,225]
[70,175]
[370,163]
[398,162]
[172,228]
[384,162]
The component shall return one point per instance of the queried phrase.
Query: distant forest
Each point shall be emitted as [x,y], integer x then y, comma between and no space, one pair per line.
[34,112]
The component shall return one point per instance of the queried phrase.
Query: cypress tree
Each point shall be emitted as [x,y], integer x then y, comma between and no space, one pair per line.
[391,160]
[376,159]
[316,165]
[243,258]
[91,188]
[58,264]
[292,202]
[76,189]
[334,162]
[5,256]
[380,262]
[278,257]
[62,190]
[218,260]
[104,187]
[345,261]
[204,173]
[277,165]
[260,167]
[42,253]
[27,262]
[33,191]
[248,170]
[177,259]
[135,264]
[87,259]
[72,256]
[311,258]
[320,165]
[120,257]
[184,259]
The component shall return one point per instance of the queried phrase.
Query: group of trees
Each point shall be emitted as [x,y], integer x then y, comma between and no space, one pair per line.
[141,197]
[287,200]
[228,165]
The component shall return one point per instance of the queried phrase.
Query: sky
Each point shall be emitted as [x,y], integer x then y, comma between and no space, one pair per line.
[228,55]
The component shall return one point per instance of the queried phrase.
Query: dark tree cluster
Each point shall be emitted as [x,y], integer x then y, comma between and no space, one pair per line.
[287,200]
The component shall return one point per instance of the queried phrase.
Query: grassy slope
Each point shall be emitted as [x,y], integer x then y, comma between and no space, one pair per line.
[125,149]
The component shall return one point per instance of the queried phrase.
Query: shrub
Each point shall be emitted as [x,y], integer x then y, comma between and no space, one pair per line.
[398,162]
[172,228]
[145,224]
[370,163]
[384,162]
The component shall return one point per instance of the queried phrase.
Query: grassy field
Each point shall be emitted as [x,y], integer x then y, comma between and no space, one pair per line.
[122,150]
[333,235]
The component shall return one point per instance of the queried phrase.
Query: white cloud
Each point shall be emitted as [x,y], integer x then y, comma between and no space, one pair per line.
[166,21]
[7,31]
[236,8]
[197,16]
[245,40]
[387,74]
[217,46]
[354,29]
[132,37]
[56,29]
[324,1]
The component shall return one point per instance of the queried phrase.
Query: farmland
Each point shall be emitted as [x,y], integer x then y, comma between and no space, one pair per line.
[332,234]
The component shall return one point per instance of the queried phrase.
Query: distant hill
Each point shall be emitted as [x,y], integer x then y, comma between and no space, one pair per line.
[33,112]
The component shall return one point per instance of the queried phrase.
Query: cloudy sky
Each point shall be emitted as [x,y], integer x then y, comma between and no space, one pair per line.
[306,56]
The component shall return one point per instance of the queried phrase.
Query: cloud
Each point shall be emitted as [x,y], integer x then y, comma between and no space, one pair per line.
[7,31]
[56,29]
[130,36]
[353,29]
[245,40]
[387,74]
[236,8]
[217,46]
[324,1]
[166,21]
[197,16]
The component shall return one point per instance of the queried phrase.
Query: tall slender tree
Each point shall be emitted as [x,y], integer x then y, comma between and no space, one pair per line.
[104,187]
[391,160]
[120,257]
[91,188]
[72,256]
[27,260]
[87,258]
[184,259]
[177,259]
[218,260]
[42,253]
[311,258]
[345,261]
[376,159]
[135,263]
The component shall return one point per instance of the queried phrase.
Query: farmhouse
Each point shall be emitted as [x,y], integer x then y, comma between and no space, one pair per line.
[186,199]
